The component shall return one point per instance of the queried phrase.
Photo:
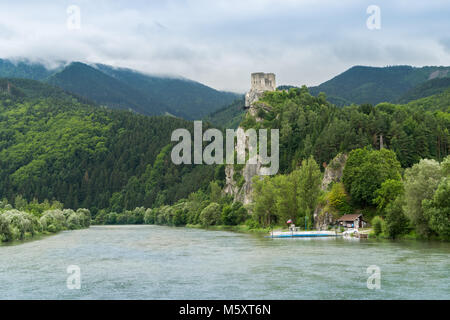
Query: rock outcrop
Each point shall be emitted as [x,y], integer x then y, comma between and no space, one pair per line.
[333,171]
[323,217]
[260,82]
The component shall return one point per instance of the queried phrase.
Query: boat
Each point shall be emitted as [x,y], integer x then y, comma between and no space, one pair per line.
[306,234]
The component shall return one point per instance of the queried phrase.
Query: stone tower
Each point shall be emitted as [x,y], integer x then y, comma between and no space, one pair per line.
[260,82]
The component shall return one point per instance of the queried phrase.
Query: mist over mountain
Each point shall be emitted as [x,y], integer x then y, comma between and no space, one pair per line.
[127,89]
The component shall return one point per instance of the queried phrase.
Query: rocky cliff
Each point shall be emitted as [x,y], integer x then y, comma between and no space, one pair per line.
[323,217]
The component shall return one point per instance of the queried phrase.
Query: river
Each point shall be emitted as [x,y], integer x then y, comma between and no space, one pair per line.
[156,262]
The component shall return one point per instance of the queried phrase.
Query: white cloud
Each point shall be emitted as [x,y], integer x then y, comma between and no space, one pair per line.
[221,42]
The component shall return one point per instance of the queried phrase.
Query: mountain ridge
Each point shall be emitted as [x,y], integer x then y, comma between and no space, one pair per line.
[123,88]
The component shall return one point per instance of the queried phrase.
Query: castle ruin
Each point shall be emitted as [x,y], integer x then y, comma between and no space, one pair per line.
[260,83]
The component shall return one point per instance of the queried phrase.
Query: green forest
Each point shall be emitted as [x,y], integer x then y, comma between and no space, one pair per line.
[60,151]
[55,147]
[401,188]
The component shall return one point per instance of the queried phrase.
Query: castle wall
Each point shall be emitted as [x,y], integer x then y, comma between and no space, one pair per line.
[260,82]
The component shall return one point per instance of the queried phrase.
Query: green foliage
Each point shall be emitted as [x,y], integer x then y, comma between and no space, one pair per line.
[309,178]
[396,221]
[290,196]
[378,225]
[234,214]
[361,84]
[338,199]
[215,192]
[312,126]
[437,209]
[211,215]
[52,146]
[421,182]
[426,89]
[18,225]
[366,170]
[228,117]
[388,192]
[264,201]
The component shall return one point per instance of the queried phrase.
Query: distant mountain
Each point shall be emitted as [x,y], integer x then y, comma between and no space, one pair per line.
[426,89]
[20,88]
[373,85]
[127,89]
[24,69]
[89,82]
[185,98]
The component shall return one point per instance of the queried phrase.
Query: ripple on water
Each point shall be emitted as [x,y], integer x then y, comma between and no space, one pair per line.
[154,262]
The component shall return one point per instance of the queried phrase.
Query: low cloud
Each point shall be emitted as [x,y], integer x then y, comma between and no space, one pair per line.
[220,43]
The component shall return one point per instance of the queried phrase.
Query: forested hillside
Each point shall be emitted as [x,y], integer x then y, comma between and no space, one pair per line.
[24,69]
[312,126]
[52,146]
[361,84]
[89,82]
[401,187]
[183,97]
[228,117]
[426,89]
[126,89]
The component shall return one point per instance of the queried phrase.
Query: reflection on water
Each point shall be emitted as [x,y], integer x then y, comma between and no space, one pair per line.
[153,262]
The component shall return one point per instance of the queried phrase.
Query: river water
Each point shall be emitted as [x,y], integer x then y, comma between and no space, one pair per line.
[155,262]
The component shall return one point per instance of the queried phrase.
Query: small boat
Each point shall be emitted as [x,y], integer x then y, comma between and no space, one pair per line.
[305,234]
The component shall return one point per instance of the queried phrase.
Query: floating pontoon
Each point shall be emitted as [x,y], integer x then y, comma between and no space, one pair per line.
[306,234]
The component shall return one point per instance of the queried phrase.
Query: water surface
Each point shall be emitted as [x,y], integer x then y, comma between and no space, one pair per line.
[155,262]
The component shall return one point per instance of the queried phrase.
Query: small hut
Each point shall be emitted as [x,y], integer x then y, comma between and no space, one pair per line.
[355,221]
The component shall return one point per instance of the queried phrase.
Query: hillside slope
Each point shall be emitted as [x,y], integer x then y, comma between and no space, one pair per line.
[55,147]
[121,88]
[426,89]
[185,98]
[361,84]
[91,83]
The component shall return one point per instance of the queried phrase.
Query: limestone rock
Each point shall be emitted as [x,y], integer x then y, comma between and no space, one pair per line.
[334,171]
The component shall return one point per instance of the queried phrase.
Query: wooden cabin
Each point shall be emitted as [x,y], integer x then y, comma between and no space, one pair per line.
[355,221]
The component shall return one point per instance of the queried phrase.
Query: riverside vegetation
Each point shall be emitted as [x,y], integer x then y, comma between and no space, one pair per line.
[27,220]
[55,145]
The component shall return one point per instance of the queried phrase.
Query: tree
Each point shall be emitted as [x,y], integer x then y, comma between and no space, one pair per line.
[377,225]
[366,170]
[215,192]
[309,180]
[339,199]
[234,214]
[437,210]
[388,192]
[396,221]
[286,196]
[421,181]
[264,200]
[211,215]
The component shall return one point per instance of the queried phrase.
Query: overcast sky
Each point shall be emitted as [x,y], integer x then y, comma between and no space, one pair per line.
[220,42]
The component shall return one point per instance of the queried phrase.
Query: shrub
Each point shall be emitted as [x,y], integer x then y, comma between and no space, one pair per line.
[378,225]
[14,224]
[53,220]
[211,215]
[149,216]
